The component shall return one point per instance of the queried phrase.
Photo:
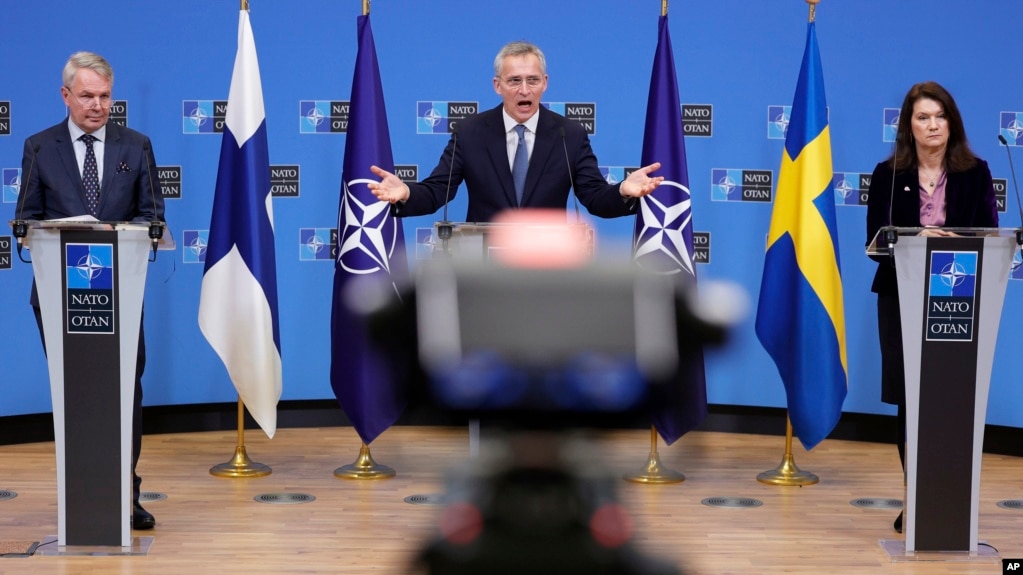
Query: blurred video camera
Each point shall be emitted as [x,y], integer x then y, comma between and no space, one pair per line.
[537,354]
[591,346]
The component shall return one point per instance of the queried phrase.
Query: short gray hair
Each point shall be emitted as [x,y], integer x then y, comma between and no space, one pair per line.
[89,60]
[519,48]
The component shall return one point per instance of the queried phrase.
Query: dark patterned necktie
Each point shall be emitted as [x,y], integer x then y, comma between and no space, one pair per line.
[520,164]
[90,175]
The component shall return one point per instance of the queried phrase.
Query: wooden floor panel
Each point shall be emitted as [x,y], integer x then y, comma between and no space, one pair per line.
[212,525]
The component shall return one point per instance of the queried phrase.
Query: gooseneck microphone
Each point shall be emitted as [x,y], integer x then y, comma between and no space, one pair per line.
[890,235]
[444,228]
[18,227]
[1019,231]
[155,225]
[571,181]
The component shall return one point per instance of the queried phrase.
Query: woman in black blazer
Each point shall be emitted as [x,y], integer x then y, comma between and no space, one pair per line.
[932,180]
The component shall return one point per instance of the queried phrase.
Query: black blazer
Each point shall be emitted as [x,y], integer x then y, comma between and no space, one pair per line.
[969,202]
[481,161]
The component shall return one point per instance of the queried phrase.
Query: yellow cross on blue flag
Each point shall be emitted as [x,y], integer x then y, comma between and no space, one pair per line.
[800,316]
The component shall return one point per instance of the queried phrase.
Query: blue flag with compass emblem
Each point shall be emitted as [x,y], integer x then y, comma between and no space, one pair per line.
[664,229]
[370,241]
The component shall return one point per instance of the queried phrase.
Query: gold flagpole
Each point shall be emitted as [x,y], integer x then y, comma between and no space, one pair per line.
[240,465]
[787,473]
[364,466]
[654,472]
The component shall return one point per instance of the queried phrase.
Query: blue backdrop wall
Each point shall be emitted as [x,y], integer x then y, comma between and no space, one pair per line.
[737,63]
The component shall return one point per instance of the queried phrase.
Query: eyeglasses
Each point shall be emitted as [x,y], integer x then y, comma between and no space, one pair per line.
[516,81]
[88,102]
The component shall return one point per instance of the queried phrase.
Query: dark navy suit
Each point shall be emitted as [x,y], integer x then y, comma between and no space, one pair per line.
[481,161]
[53,189]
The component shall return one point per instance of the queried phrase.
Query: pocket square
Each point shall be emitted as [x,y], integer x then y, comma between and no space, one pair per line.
[122,167]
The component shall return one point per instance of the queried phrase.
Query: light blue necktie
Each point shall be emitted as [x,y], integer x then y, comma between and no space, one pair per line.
[520,164]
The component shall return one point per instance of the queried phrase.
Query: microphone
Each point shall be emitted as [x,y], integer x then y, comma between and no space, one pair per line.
[18,227]
[155,225]
[890,235]
[444,228]
[571,181]
[1019,232]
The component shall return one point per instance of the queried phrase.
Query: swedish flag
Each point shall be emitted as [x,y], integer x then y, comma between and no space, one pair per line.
[800,317]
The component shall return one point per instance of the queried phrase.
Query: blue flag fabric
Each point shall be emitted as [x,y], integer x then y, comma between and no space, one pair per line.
[370,241]
[664,229]
[238,301]
[800,316]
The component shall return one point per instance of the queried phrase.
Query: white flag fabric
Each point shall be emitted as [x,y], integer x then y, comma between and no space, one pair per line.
[238,302]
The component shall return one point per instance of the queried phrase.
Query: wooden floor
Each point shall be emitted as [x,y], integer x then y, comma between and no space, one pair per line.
[209,524]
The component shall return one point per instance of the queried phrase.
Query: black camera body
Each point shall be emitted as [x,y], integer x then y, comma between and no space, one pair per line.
[536,355]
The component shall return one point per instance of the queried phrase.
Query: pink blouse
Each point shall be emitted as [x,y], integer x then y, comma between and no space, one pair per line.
[932,206]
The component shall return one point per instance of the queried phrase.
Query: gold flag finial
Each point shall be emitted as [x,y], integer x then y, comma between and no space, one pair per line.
[245,4]
[365,7]
[664,7]
[813,9]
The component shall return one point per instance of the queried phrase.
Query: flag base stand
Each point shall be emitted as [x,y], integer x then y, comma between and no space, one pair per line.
[654,472]
[787,473]
[364,467]
[240,466]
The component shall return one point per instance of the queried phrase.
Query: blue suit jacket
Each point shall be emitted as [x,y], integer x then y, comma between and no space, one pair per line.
[478,155]
[52,186]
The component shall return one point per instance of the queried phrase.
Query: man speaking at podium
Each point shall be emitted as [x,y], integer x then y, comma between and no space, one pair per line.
[86,166]
[517,155]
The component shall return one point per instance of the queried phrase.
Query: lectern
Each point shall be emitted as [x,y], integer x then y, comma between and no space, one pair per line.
[90,277]
[951,290]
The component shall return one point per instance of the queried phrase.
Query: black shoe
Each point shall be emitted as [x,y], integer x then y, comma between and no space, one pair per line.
[141,519]
[897,525]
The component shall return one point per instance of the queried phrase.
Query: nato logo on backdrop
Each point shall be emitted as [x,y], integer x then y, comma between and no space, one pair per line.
[203,116]
[11,178]
[851,188]
[442,117]
[284,181]
[193,246]
[323,116]
[1010,126]
[890,124]
[169,179]
[5,252]
[5,118]
[316,244]
[1016,269]
[698,120]
[1001,188]
[737,185]
[583,112]
[426,244]
[408,173]
[119,112]
[778,122]
[615,174]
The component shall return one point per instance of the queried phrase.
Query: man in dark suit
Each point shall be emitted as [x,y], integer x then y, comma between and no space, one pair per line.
[484,153]
[86,166]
